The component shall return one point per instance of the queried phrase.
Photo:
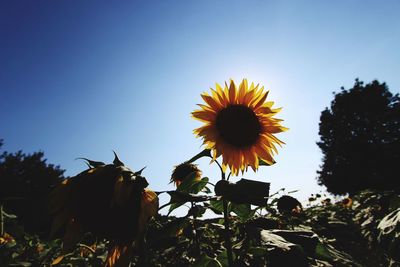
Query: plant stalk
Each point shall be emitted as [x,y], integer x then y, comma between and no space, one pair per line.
[196,238]
[228,243]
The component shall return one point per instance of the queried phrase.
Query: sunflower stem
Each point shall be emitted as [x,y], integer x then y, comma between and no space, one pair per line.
[196,238]
[222,171]
[228,244]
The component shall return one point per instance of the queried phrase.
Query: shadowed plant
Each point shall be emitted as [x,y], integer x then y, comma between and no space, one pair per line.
[109,200]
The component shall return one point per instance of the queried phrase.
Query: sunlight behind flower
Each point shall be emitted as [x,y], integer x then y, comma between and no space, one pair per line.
[239,125]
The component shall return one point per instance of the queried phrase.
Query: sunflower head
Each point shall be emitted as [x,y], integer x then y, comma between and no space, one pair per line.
[239,124]
[289,205]
[182,171]
[347,202]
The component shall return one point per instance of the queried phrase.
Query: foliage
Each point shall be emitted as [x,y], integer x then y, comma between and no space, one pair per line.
[25,182]
[323,235]
[360,139]
[357,228]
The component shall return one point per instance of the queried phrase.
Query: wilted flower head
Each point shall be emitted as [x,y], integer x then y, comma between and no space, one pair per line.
[183,171]
[109,200]
[288,204]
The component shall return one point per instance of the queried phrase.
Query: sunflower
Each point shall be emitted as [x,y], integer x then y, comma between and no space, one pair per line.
[182,171]
[110,201]
[239,125]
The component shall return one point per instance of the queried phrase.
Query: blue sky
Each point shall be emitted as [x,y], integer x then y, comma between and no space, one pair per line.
[81,78]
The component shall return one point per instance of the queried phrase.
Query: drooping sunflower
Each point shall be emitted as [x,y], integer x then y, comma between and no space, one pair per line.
[109,200]
[239,124]
[183,171]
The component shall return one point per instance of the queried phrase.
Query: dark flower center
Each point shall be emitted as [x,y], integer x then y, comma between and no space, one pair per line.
[238,125]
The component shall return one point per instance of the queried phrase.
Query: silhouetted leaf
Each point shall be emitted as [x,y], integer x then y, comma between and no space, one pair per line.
[179,198]
[93,163]
[116,161]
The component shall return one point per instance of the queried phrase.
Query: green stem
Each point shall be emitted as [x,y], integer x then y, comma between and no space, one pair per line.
[228,243]
[196,238]
[220,167]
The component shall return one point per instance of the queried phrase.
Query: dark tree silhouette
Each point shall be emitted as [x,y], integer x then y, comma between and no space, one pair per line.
[360,140]
[25,182]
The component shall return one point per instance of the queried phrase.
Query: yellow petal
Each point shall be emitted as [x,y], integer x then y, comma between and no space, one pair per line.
[211,102]
[232,93]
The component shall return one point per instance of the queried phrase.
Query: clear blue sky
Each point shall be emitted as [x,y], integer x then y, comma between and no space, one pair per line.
[81,78]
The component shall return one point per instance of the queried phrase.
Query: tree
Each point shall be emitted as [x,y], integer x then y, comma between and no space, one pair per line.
[359,139]
[25,182]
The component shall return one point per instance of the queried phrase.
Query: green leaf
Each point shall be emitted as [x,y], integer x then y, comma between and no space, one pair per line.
[179,198]
[321,252]
[174,206]
[223,258]
[200,185]
[187,183]
[192,185]
[243,211]
[217,206]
